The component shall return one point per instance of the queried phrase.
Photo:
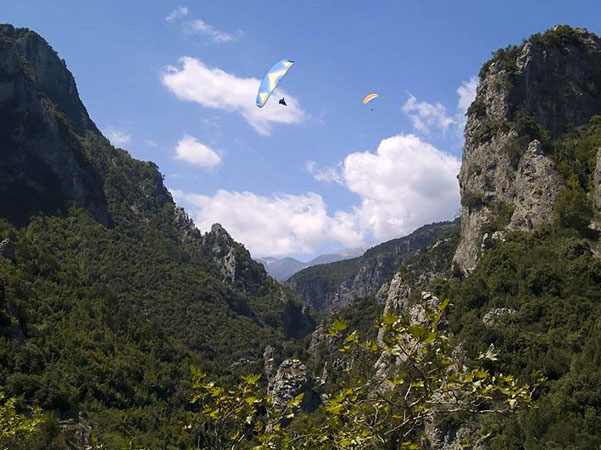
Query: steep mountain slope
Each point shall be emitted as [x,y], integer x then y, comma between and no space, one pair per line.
[333,287]
[107,290]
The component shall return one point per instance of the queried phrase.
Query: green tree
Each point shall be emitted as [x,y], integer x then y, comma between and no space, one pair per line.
[418,382]
[573,207]
[15,428]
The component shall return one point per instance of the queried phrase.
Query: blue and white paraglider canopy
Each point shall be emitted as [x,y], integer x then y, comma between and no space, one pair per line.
[272,79]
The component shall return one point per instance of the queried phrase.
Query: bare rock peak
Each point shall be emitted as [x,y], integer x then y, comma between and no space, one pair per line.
[528,95]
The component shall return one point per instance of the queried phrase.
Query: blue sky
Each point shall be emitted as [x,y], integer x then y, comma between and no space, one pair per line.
[173,82]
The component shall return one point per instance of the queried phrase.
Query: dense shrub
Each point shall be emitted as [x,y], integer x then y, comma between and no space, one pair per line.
[573,208]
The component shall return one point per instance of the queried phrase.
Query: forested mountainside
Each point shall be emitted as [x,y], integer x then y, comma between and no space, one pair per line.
[335,286]
[107,290]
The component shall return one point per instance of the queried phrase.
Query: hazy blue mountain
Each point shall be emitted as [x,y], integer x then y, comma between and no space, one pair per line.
[283,268]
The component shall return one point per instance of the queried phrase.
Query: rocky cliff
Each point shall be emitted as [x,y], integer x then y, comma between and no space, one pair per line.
[40,110]
[528,95]
[332,287]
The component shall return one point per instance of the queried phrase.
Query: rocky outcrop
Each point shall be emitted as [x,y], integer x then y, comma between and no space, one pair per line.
[526,94]
[238,269]
[290,380]
[597,182]
[418,312]
[536,186]
[494,316]
[269,361]
[394,294]
[77,433]
[220,246]
[7,250]
[452,437]
[332,287]
[184,224]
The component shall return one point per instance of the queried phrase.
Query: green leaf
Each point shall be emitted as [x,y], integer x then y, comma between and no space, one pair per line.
[338,326]
[251,379]
[353,337]
[389,318]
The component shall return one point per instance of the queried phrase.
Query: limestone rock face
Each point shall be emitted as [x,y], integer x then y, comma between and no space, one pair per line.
[597,181]
[77,432]
[234,261]
[269,361]
[394,294]
[438,437]
[493,316]
[290,380]
[505,171]
[536,186]
[221,247]
[188,231]
[417,313]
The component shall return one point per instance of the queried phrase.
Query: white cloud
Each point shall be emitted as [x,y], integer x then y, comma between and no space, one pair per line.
[467,94]
[404,184]
[275,225]
[327,175]
[198,26]
[214,88]
[180,11]
[426,116]
[190,150]
[116,136]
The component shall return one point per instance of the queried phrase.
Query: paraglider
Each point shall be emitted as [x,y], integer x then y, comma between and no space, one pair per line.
[369,98]
[271,81]
[282,102]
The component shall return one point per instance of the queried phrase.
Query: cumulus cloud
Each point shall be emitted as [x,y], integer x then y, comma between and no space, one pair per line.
[327,175]
[404,184]
[180,11]
[116,136]
[467,94]
[201,27]
[212,87]
[190,150]
[426,116]
[279,224]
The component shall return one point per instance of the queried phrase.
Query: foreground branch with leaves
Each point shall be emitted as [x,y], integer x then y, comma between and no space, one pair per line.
[392,388]
[15,428]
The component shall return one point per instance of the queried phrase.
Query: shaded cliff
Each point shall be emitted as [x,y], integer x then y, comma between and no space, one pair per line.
[39,111]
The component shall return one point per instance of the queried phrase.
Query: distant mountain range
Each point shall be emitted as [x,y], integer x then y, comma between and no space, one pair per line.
[283,268]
